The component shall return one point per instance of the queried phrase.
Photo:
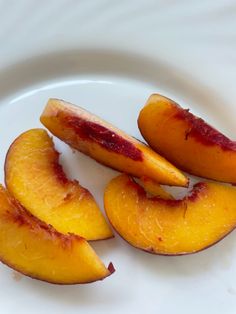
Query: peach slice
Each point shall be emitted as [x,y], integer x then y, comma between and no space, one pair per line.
[187,141]
[170,227]
[107,144]
[39,251]
[35,178]
[154,188]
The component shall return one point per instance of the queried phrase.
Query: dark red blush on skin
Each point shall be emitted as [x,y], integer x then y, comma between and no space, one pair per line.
[198,189]
[94,132]
[203,132]
[111,268]
[57,168]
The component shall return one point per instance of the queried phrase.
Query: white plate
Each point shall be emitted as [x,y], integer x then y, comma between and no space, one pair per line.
[91,56]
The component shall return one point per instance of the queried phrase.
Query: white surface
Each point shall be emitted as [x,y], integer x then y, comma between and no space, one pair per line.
[108,56]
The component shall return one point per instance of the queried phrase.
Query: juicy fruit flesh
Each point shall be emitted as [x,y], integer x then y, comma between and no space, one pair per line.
[34,176]
[107,144]
[37,250]
[187,141]
[170,227]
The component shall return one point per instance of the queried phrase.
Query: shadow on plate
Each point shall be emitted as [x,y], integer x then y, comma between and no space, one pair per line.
[219,256]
